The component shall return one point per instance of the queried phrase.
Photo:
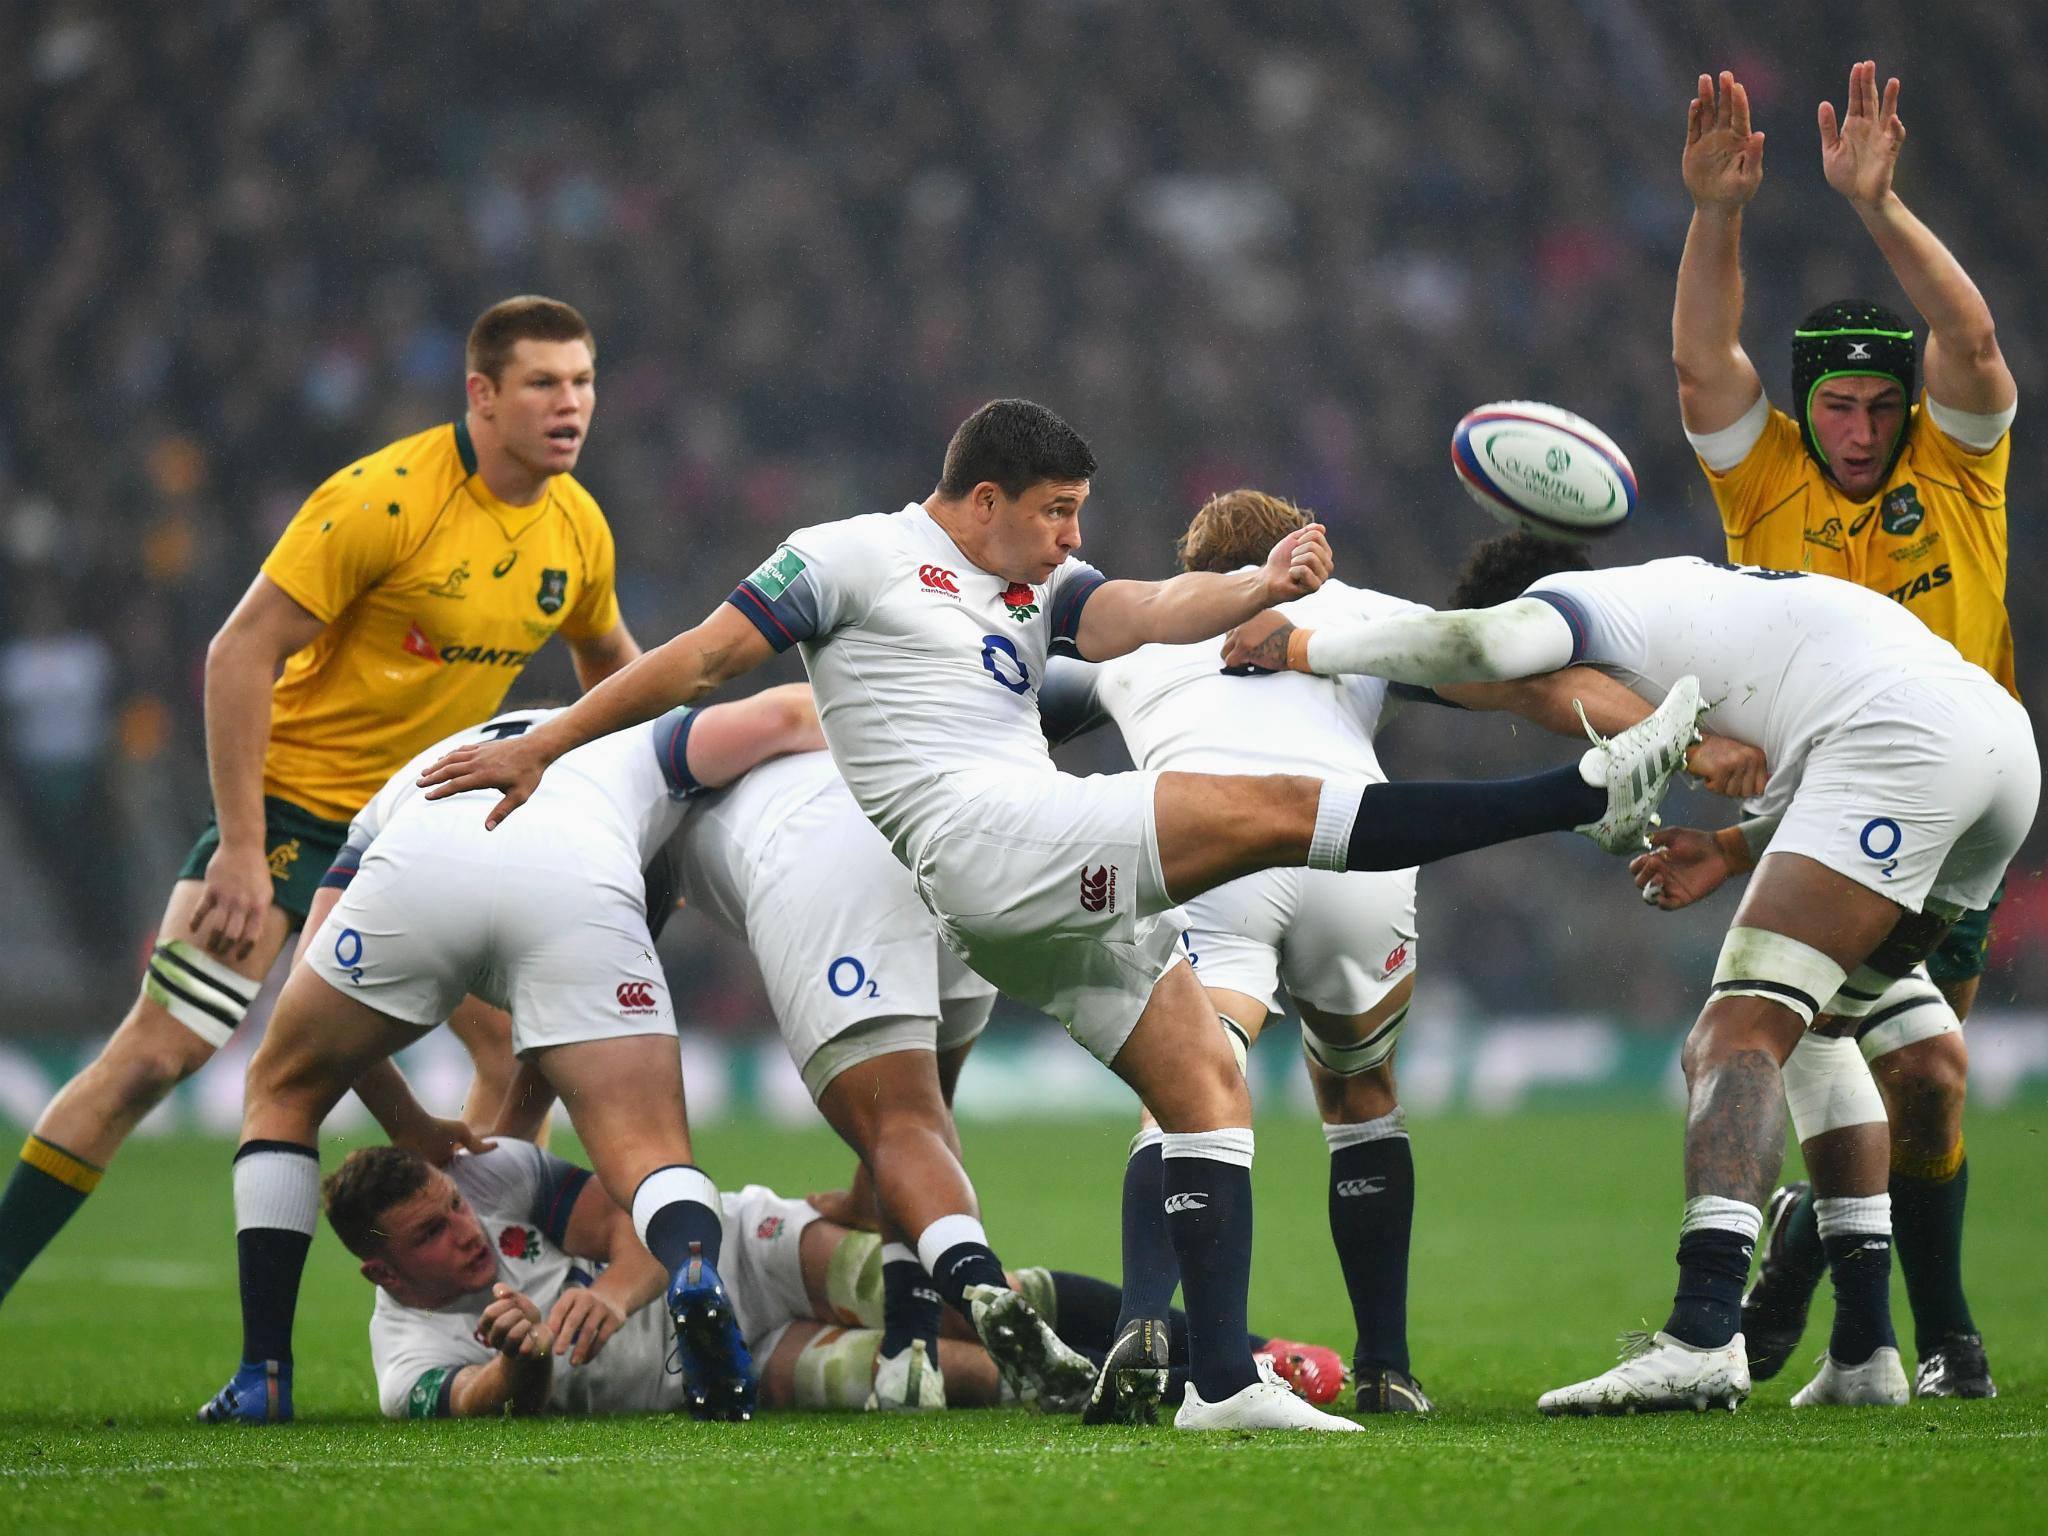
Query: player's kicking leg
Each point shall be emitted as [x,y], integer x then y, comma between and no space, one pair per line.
[1801,929]
[191,1002]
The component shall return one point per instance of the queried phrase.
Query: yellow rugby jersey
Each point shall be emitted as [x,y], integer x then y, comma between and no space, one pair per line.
[434,593]
[1932,538]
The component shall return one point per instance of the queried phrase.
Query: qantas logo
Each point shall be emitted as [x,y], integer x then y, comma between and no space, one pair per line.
[1098,889]
[936,578]
[416,643]
[636,997]
[1922,584]
[1195,1201]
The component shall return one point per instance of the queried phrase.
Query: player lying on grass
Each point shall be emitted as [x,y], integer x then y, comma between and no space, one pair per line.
[1903,779]
[549,923]
[926,632]
[1344,946]
[510,1280]
[347,655]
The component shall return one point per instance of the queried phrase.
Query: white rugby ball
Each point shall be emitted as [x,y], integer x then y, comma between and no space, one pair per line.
[1541,468]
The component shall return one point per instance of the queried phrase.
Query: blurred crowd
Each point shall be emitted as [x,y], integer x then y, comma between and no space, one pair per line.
[1234,243]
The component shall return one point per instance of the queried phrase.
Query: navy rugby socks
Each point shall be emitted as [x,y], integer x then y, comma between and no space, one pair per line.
[1402,825]
[675,1208]
[277,1199]
[1372,1209]
[1857,1236]
[910,1304]
[955,1253]
[1714,1247]
[1207,1184]
[1151,1268]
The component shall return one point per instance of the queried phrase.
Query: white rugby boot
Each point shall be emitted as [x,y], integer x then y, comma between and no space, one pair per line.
[908,1382]
[1636,767]
[1878,1382]
[1658,1374]
[1034,1363]
[1268,1403]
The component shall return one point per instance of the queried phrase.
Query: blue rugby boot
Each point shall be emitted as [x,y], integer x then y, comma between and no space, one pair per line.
[260,1392]
[718,1373]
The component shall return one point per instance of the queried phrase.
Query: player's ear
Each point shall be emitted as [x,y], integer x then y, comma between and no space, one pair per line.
[986,497]
[377,1272]
[483,394]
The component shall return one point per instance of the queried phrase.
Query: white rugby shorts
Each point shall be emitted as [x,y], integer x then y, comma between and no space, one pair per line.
[852,961]
[1924,795]
[761,1263]
[1050,887]
[539,917]
[1337,942]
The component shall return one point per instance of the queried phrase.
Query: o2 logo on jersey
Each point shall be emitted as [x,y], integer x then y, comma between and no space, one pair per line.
[348,954]
[1880,839]
[1000,656]
[846,976]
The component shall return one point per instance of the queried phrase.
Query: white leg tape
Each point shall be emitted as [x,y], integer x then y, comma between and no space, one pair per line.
[853,1279]
[1756,962]
[1908,1011]
[1329,847]
[1870,1215]
[1240,1041]
[1828,1087]
[1722,1215]
[198,991]
[836,1369]
[1350,1060]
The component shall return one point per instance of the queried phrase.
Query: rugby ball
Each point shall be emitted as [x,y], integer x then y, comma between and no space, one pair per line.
[1537,467]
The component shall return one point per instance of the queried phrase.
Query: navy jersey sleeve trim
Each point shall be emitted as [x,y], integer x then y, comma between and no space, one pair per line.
[1066,613]
[561,1183]
[1574,616]
[672,751]
[345,864]
[1068,703]
[762,616]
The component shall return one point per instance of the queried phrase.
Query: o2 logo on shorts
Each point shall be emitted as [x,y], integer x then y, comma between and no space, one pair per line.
[994,646]
[846,976]
[348,954]
[1880,839]
[1187,942]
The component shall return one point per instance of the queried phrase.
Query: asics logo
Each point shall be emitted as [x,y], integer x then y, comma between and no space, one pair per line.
[1196,1201]
[1878,1245]
[1859,351]
[1098,888]
[935,578]
[636,996]
[1376,1185]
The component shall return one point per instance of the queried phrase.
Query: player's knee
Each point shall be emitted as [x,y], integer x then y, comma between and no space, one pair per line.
[1926,1083]
[137,1073]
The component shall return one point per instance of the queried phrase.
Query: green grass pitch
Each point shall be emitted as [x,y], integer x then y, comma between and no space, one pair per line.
[1538,1237]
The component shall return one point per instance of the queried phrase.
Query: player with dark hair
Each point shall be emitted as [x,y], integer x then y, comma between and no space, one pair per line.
[1905,496]
[926,633]
[402,601]
[1902,779]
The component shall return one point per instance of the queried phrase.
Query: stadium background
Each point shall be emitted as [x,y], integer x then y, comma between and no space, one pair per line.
[1234,243]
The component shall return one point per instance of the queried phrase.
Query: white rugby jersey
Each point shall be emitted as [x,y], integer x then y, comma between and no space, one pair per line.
[523,1197]
[925,667]
[1783,657]
[631,783]
[725,832]
[1178,710]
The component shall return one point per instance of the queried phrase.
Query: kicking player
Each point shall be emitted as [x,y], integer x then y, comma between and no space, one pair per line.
[510,1281]
[878,1015]
[1903,778]
[402,601]
[926,633]
[1907,498]
[549,923]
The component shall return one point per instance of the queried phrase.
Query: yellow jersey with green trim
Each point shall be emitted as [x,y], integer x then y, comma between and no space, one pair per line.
[434,594]
[1933,537]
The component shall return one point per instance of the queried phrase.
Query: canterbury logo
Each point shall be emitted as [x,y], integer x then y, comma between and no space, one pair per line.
[1098,888]
[1859,351]
[1376,1185]
[1189,1202]
[931,1297]
[636,996]
[938,579]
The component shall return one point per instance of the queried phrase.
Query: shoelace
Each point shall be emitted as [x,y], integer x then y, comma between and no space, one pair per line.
[1633,1344]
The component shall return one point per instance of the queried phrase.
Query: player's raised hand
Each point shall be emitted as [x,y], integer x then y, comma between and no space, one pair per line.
[1858,158]
[511,1325]
[234,901]
[514,765]
[1683,866]
[1724,157]
[1298,564]
[583,1320]
[1727,767]
[1259,644]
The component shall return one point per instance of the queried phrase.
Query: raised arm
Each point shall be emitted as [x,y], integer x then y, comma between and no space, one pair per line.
[1724,165]
[698,660]
[1123,615]
[1965,369]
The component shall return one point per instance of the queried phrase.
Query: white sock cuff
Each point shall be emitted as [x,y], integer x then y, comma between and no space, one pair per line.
[947,1232]
[899,1253]
[1231,1145]
[1150,1136]
[279,1190]
[1869,1214]
[1716,1213]
[1393,1123]
[1336,814]
[667,1186]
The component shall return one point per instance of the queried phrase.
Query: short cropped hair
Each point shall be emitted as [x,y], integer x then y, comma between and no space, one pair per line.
[1499,570]
[1237,529]
[529,317]
[1014,444]
[369,1182]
